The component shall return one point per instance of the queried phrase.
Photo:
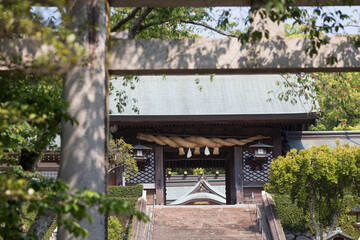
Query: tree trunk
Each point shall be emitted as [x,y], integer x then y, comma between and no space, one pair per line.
[42,223]
[84,146]
[332,224]
[313,218]
[321,230]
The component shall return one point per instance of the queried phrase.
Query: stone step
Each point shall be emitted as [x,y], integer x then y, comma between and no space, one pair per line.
[205,222]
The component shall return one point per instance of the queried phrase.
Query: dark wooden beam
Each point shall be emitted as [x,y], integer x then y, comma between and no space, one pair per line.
[193,159]
[277,142]
[238,175]
[159,175]
[266,118]
[228,178]
[174,156]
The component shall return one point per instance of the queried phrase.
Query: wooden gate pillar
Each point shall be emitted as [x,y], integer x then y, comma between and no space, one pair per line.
[234,177]
[159,175]
[277,142]
[238,175]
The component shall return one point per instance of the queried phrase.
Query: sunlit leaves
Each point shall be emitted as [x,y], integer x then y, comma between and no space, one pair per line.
[335,96]
[20,22]
[31,109]
[121,155]
[281,11]
[181,22]
[43,194]
[319,175]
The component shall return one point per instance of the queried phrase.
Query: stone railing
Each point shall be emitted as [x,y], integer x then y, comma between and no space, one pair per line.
[140,226]
[271,217]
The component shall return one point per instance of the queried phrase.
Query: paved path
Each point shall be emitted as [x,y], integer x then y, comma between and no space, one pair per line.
[223,222]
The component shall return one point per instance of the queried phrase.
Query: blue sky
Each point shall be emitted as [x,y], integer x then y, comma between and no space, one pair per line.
[240,13]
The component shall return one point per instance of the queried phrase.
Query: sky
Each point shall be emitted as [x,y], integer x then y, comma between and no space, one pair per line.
[239,14]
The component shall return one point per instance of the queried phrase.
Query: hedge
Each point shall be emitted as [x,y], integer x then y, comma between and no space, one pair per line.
[125,191]
[292,218]
[115,229]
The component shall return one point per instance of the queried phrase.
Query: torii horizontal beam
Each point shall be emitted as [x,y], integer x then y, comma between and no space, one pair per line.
[209,56]
[229,56]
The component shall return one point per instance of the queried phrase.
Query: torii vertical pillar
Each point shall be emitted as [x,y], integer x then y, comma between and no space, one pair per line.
[84,145]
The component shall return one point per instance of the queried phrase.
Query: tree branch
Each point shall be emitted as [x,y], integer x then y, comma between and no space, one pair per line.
[321,229]
[134,29]
[42,223]
[124,20]
[333,223]
[143,27]
[209,27]
[313,218]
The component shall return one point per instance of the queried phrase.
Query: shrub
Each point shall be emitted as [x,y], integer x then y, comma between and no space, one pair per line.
[125,191]
[293,219]
[115,229]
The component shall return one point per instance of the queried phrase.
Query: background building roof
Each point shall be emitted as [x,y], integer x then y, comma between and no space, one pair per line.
[306,139]
[225,95]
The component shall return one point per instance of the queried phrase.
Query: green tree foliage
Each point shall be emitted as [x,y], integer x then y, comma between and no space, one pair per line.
[334,96]
[294,220]
[120,155]
[171,22]
[30,112]
[43,194]
[31,109]
[317,179]
[339,100]
[18,20]
[281,11]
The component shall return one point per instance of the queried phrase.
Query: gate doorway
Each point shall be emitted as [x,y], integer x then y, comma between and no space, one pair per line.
[199,179]
[195,186]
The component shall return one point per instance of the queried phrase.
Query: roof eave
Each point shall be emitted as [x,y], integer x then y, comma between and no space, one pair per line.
[307,117]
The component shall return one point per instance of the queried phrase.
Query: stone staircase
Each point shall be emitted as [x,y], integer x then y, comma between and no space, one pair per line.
[223,222]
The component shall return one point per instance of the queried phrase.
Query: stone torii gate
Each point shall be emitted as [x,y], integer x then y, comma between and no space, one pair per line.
[83,146]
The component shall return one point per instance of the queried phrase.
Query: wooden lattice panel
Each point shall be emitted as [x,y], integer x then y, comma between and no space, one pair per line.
[146,172]
[254,170]
[51,157]
[188,163]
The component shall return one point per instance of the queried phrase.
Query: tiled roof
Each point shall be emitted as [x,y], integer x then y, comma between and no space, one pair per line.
[306,139]
[225,95]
